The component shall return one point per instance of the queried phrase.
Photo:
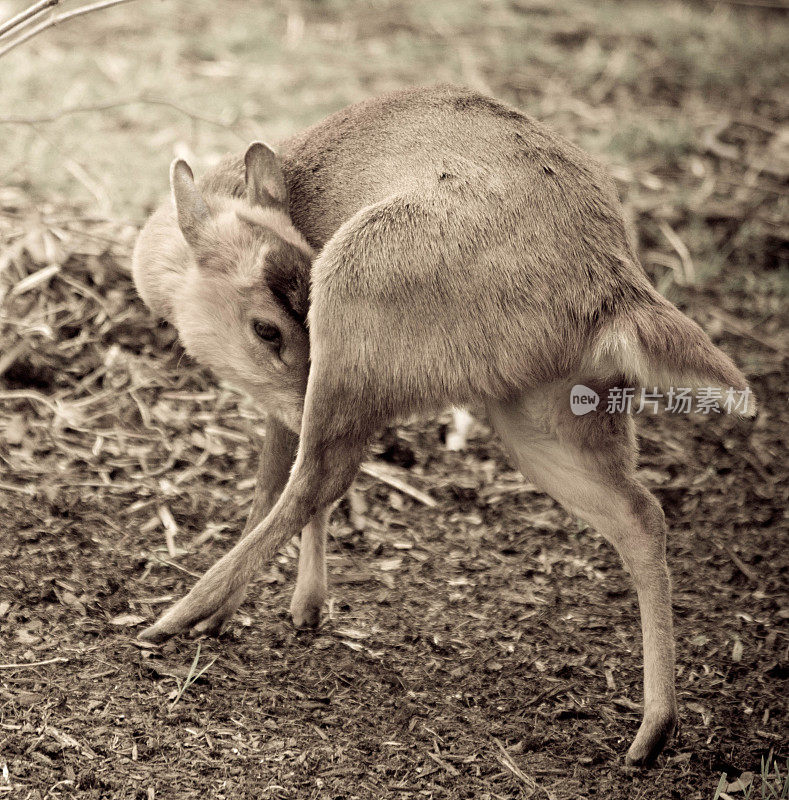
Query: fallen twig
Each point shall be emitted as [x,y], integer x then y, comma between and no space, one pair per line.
[443,764]
[749,573]
[709,138]
[736,326]
[779,5]
[170,529]
[505,759]
[56,660]
[177,566]
[384,474]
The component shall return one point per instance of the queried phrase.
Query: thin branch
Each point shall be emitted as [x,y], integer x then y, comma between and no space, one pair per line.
[29,664]
[749,573]
[688,270]
[505,759]
[57,20]
[734,325]
[779,5]
[387,475]
[153,101]
[172,564]
[27,15]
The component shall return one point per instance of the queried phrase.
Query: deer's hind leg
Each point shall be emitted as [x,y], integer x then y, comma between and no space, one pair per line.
[587,463]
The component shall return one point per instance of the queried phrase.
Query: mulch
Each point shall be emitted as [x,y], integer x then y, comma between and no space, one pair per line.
[485,646]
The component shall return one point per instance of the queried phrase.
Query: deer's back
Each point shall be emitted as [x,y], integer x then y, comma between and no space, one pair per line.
[505,208]
[417,140]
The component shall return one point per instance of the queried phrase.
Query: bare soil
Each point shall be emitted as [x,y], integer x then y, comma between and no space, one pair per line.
[483,648]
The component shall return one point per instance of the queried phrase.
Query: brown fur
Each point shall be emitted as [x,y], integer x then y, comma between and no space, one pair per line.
[465,253]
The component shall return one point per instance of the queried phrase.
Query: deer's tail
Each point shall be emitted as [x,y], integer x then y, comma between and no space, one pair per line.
[653,344]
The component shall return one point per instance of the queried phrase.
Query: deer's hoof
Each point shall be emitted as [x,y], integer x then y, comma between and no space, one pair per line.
[204,611]
[651,738]
[305,609]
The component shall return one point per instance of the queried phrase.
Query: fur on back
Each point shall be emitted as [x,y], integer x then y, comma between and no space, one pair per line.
[493,249]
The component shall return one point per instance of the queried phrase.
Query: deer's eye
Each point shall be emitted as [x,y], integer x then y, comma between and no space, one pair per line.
[267,332]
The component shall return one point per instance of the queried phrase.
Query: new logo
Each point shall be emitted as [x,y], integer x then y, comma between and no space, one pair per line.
[583,399]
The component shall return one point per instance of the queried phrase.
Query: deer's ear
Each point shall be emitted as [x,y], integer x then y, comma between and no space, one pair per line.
[192,212]
[264,179]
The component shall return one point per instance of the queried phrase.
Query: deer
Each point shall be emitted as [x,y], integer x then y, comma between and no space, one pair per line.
[429,248]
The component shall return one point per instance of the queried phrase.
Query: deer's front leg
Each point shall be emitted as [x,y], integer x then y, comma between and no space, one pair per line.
[323,471]
[311,583]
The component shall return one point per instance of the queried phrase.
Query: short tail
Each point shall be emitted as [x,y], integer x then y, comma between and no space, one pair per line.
[653,344]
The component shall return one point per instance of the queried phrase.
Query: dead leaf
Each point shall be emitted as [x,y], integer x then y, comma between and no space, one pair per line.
[15,429]
[24,637]
[706,715]
[127,620]
[352,633]
[742,783]
[736,651]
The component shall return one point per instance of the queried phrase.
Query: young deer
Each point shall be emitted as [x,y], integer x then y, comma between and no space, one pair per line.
[427,248]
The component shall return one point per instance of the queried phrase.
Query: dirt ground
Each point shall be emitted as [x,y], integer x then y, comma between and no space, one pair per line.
[479,643]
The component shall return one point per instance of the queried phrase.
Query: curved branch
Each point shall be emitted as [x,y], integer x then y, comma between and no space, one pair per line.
[27,15]
[152,101]
[52,21]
